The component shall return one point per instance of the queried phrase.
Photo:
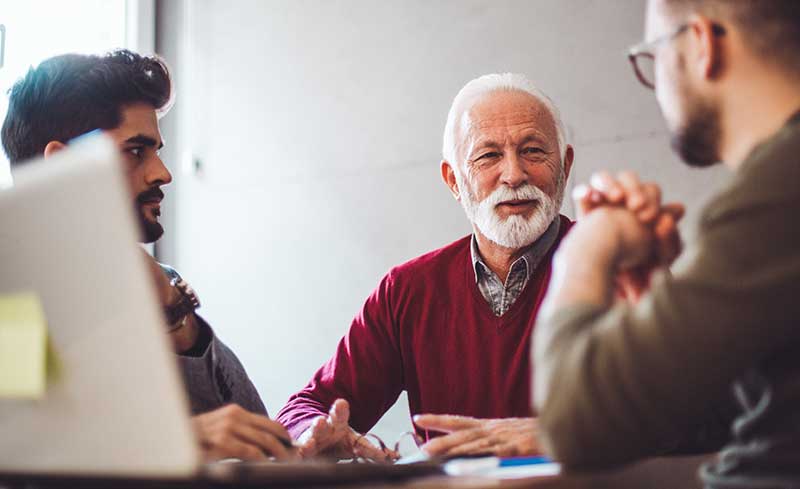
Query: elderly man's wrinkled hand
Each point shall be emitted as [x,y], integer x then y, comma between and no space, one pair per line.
[332,437]
[465,436]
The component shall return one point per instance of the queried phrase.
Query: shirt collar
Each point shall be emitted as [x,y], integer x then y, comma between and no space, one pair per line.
[532,256]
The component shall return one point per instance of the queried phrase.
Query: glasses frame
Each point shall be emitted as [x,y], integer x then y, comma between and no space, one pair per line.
[390,455]
[647,49]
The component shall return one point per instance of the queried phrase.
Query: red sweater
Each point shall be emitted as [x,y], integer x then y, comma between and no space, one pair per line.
[428,330]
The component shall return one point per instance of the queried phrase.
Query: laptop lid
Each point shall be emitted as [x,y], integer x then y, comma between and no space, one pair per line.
[117,406]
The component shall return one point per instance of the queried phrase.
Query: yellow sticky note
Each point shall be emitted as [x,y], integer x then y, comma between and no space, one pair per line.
[23,347]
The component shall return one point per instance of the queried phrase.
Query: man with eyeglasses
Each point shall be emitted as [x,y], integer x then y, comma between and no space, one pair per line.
[619,381]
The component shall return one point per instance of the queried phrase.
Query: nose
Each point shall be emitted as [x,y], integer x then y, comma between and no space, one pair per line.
[157,173]
[513,171]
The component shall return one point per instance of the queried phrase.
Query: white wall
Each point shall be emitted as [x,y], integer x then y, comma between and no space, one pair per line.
[318,125]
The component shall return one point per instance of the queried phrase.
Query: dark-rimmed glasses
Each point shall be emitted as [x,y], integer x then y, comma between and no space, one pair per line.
[642,56]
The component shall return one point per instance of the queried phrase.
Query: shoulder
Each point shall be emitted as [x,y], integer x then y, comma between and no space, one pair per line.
[565,224]
[767,180]
[433,262]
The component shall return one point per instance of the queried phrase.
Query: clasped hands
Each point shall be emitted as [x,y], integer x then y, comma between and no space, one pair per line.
[646,230]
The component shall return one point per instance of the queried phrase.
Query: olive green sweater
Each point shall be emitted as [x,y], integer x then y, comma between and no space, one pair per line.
[635,381]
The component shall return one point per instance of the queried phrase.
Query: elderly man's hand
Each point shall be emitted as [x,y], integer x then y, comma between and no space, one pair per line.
[508,437]
[331,436]
[643,199]
[233,432]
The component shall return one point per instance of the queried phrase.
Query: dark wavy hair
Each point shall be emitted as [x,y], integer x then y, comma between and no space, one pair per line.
[72,94]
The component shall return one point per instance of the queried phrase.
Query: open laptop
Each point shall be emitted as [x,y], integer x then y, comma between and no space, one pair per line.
[118,406]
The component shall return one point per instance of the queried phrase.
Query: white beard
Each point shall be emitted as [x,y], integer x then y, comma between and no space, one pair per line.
[514,231]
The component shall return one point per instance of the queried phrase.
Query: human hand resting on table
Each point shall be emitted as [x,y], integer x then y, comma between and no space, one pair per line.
[233,432]
[507,437]
[331,436]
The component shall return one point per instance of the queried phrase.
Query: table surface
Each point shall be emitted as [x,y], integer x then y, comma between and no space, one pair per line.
[660,473]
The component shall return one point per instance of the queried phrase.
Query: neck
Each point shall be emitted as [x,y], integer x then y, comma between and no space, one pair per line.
[497,258]
[757,107]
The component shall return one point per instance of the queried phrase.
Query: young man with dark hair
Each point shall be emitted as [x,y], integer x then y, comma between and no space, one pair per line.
[123,94]
[615,381]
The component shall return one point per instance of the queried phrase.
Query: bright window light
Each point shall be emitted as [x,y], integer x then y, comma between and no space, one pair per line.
[39,29]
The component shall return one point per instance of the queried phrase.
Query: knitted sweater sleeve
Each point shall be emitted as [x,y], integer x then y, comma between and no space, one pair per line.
[366,370]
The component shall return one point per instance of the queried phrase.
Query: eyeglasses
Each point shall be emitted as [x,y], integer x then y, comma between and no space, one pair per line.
[642,56]
[398,450]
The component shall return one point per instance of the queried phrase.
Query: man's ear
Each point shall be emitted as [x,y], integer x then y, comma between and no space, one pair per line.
[449,177]
[569,157]
[53,147]
[708,56]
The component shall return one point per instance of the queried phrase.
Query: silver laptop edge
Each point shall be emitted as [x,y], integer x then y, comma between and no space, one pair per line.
[118,407]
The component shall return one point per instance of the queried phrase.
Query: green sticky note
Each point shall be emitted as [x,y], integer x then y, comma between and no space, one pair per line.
[24,347]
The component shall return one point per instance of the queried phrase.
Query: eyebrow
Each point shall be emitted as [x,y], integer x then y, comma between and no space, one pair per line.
[534,138]
[487,144]
[484,144]
[145,141]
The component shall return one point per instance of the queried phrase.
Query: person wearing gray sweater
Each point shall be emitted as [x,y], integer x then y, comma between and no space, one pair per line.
[123,94]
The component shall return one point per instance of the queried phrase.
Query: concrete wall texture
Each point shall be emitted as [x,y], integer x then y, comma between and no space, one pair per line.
[317,129]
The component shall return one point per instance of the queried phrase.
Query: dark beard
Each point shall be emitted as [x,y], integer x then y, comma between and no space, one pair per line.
[150,231]
[697,141]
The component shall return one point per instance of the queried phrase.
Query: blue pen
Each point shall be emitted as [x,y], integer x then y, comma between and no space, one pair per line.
[519,461]
[471,466]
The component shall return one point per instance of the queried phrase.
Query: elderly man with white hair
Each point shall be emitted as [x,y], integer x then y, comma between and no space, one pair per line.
[453,327]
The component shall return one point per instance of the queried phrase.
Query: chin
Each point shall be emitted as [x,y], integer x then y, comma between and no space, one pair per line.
[151,231]
[697,141]
[694,126]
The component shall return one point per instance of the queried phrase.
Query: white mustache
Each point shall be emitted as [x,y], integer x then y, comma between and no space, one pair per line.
[505,194]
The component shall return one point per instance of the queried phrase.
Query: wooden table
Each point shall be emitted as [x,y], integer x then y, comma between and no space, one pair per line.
[661,473]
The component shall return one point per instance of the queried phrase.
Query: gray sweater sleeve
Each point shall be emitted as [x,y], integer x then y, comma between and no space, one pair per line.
[217,378]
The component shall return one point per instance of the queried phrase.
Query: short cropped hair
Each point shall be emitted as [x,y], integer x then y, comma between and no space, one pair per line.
[72,94]
[495,82]
[770,27]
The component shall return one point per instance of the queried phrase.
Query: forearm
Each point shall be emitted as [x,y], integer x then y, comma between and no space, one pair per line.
[365,370]
[615,385]
[593,391]
[637,379]
[576,282]
[582,276]
[580,337]
[301,410]
[214,376]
